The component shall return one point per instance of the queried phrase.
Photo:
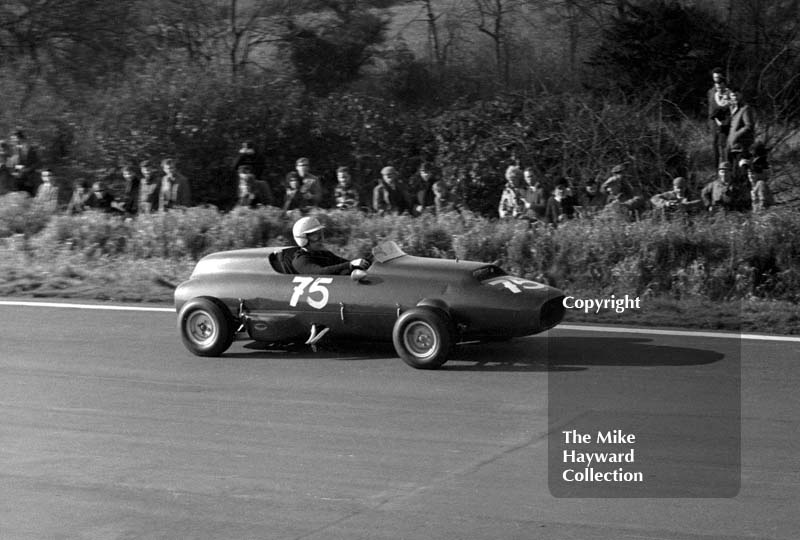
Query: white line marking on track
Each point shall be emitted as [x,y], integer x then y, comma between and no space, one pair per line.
[107,307]
[687,333]
[573,327]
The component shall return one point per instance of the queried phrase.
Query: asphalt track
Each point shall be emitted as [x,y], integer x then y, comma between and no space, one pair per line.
[109,430]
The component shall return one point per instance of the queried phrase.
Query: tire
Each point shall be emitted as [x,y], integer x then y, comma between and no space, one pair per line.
[206,327]
[423,338]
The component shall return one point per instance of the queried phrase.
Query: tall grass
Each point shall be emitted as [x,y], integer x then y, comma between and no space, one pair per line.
[718,257]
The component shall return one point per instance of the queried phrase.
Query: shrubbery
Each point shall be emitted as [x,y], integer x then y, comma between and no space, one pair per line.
[719,257]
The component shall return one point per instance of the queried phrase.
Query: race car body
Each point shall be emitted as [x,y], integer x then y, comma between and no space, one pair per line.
[423,305]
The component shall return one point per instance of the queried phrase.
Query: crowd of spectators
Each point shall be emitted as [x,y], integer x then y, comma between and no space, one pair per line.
[741,182]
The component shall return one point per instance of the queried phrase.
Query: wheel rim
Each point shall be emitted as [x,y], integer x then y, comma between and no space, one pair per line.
[420,339]
[201,328]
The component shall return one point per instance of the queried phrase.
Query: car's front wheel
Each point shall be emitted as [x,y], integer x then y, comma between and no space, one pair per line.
[423,338]
[206,327]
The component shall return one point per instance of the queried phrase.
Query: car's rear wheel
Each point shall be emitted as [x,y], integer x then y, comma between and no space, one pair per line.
[423,338]
[206,327]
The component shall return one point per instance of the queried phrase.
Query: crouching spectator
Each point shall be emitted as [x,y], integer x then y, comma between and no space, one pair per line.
[80,193]
[252,192]
[560,206]
[100,199]
[677,199]
[390,195]
[620,195]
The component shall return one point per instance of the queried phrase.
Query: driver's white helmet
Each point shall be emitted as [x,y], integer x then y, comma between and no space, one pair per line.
[304,226]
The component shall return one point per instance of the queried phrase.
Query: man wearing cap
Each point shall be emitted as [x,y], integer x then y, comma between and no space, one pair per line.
[309,184]
[676,199]
[620,194]
[390,196]
[312,257]
[720,193]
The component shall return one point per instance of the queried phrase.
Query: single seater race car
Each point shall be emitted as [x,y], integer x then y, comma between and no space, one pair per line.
[423,305]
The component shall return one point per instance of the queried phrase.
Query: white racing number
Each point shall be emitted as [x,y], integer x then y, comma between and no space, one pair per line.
[515,284]
[314,289]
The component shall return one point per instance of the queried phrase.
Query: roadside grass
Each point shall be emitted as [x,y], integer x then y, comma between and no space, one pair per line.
[735,272]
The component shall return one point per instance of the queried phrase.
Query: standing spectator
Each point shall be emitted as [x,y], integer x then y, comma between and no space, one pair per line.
[390,195]
[678,198]
[252,192]
[511,204]
[149,188]
[345,195]
[590,198]
[760,194]
[720,193]
[23,163]
[47,192]
[742,131]
[100,199]
[175,190]
[559,206]
[130,195]
[80,194]
[310,184]
[620,194]
[6,179]
[533,195]
[293,197]
[421,186]
[719,114]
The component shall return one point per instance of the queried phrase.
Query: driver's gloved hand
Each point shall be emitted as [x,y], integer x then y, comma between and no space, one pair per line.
[361,264]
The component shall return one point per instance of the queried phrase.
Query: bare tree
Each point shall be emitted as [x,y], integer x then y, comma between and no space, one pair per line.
[494,20]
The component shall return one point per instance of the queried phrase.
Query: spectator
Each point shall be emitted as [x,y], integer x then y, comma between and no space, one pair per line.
[80,194]
[149,188]
[720,193]
[511,204]
[100,199]
[175,189]
[590,199]
[293,197]
[252,192]
[390,195]
[23,163]
[47,192]
[719,114]
[421,186]
[131,192]
[533,195]
[7,183]
[559,206]
[678,198]
[345,195]
[620,196]
[310,185]
[742,132]
[760,193]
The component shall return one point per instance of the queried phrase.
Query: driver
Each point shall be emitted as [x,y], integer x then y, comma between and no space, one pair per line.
[312,257]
